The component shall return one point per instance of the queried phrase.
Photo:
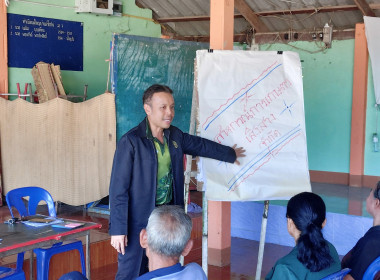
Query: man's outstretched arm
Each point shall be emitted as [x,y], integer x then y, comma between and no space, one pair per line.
[240,152]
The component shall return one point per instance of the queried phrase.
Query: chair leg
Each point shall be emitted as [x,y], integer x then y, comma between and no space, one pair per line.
[44,255]
[42,266]
[20,261]
[82,260]
[31,270]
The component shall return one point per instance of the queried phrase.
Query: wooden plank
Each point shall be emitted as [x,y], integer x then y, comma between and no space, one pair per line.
[365,8]
[250,16]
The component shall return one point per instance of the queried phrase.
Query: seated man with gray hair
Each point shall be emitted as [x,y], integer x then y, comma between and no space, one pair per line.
[165,239]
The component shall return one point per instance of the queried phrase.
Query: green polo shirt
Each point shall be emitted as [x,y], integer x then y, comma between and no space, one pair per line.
[164,192]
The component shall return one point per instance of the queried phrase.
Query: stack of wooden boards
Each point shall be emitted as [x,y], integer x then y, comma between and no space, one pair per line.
[48,81]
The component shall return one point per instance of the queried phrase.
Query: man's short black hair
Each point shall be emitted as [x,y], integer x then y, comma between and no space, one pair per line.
[148,93]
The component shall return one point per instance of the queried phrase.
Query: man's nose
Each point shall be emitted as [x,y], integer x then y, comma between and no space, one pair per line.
[170,111]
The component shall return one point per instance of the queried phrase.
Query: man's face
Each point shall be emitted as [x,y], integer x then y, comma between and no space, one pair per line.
[160,110]
[372,203]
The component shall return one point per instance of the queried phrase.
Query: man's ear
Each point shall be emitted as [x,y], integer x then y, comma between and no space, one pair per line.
[377,205]
[188,247]
[147,109]
[143,238]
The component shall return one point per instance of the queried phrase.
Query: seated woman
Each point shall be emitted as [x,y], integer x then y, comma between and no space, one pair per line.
[313,257]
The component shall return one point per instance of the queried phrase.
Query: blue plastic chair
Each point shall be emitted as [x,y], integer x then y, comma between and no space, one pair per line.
[372,270]
[74,275]
[11,274]
[338,275]
[15,198]
[7,273]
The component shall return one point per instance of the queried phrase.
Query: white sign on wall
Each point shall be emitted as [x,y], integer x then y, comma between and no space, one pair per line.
[254,100]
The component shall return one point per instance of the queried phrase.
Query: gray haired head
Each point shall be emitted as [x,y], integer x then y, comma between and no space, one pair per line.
[168,230]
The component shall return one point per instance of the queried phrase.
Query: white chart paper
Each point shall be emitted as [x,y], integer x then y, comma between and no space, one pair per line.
[254,100]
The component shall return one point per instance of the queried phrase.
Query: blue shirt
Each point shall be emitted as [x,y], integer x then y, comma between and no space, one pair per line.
[192,271]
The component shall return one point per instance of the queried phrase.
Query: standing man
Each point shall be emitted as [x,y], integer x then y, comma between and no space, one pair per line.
[148,171]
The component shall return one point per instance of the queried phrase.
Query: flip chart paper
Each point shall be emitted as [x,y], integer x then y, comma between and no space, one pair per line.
[372,26]
[254,100]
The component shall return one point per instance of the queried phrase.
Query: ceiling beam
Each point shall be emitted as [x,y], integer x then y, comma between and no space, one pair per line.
[186,19]
[250,16]
[327,9]
[286,37]
[365,8]
[237,38]
[271,37]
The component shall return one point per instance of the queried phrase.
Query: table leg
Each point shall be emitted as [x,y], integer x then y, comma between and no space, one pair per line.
[88,272]
[31,265]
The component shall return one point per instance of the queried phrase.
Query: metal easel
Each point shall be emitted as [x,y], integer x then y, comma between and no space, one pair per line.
[192,131]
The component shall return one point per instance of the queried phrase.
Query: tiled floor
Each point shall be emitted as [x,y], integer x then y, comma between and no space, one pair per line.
[341,199]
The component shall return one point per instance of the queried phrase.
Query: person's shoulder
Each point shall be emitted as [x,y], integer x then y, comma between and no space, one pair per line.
[133,132]
[175,129]
[333,251]
[145,276]
[290,263]
[375,230]
[191,271]
[370,238]
[288,259]
[175,133]
[193,266]
[286,271]
[195,270]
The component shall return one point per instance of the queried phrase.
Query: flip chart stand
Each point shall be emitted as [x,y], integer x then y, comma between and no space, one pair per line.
[262,240]
[189,159]
[193,131]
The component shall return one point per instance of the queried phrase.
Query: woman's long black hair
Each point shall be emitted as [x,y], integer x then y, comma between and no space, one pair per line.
[308,212]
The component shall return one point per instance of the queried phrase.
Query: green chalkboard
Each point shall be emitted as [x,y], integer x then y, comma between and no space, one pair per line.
[139,62]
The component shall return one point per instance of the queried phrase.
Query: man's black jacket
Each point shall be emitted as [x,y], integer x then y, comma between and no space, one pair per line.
[134,174]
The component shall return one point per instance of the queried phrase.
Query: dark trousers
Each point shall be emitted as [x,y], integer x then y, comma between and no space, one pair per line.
[134,262]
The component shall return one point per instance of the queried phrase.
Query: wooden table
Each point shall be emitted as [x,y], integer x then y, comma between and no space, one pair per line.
[18,238]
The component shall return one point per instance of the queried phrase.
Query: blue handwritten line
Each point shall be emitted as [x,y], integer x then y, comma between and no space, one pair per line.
[258,155]
[264,156]
[242,95]
[287,107]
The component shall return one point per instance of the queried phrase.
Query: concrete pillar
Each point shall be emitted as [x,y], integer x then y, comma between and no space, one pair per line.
[359,107]
[219,213]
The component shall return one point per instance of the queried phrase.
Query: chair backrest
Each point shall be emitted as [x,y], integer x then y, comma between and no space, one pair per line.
[15,197]
[338,275]
[372,270]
